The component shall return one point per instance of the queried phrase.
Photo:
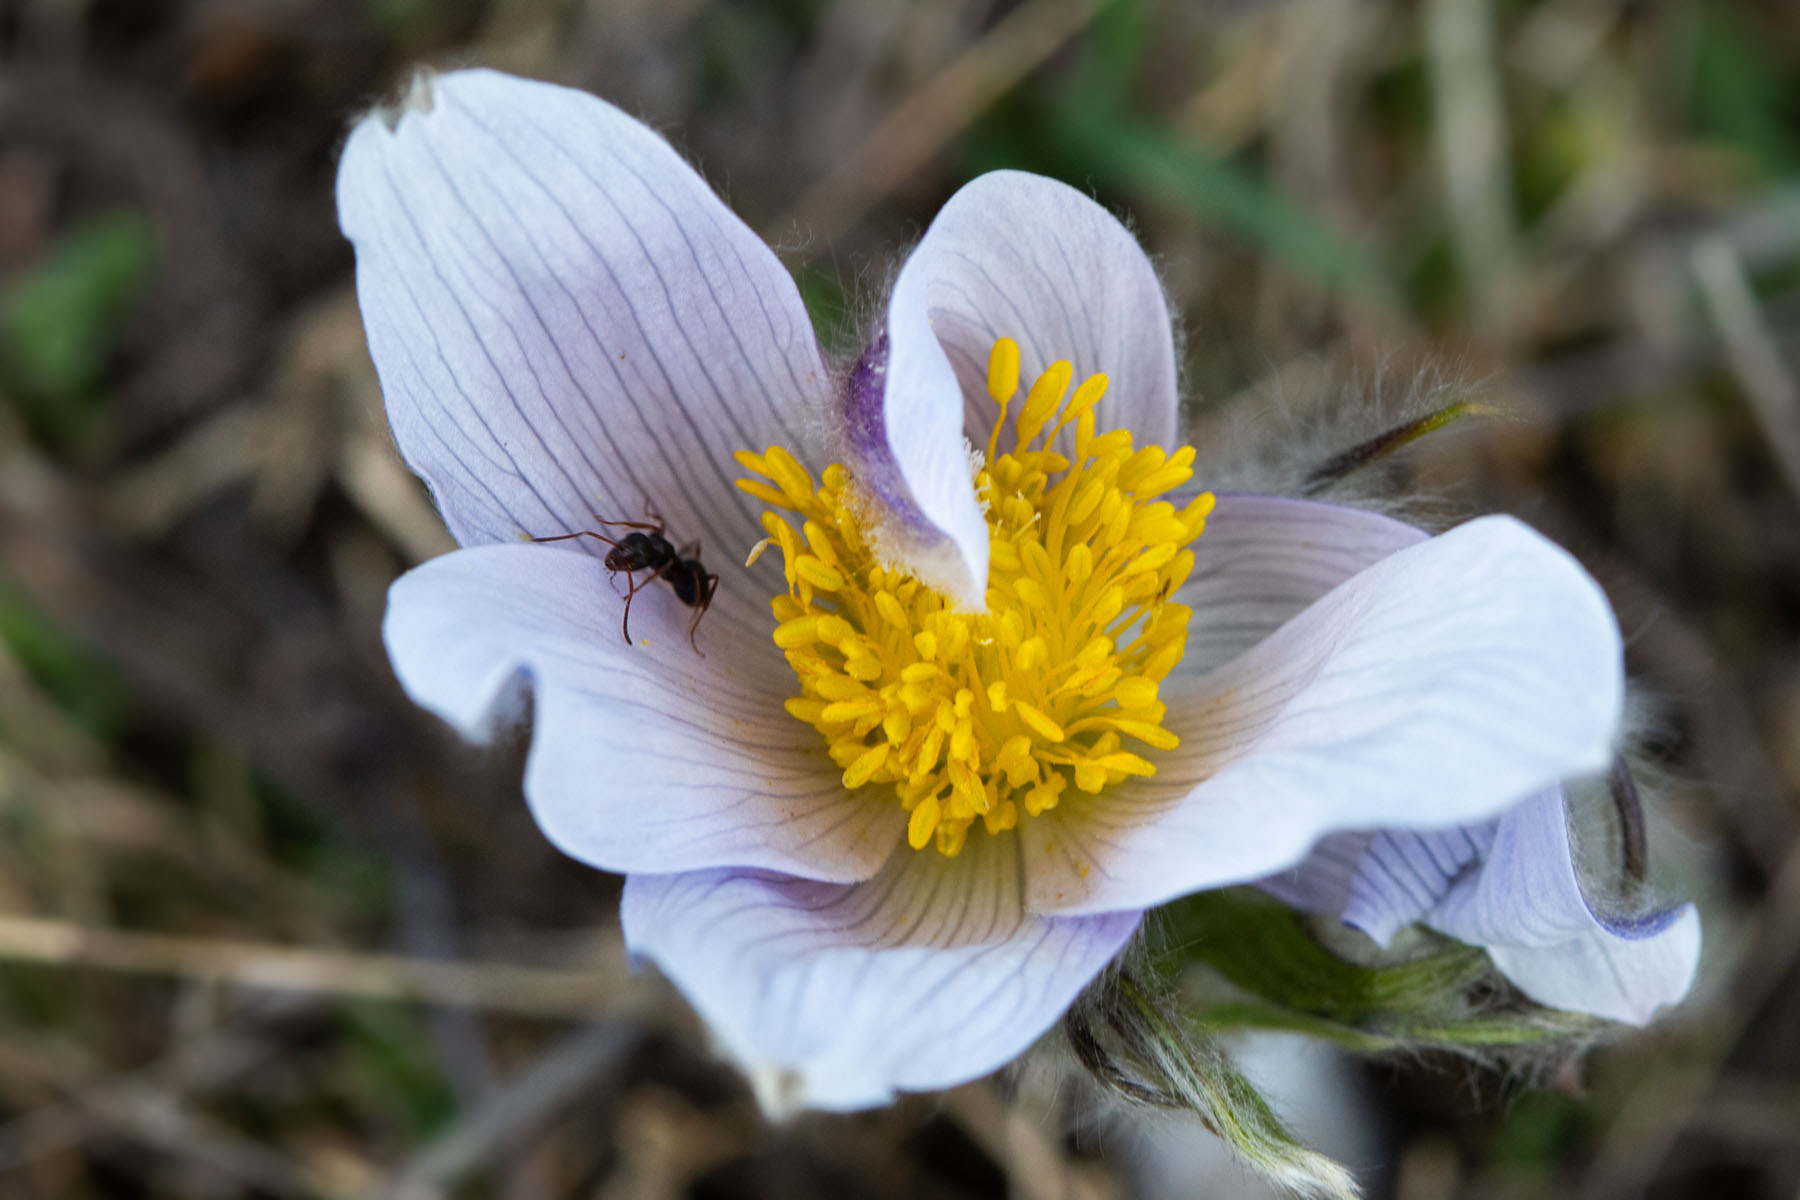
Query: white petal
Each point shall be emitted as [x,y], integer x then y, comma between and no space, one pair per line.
[645,757]
[1526,905]
[566,320]
[1621,979]
[926,976]
[1011,255]
[1263,559]
[1433,689]
[1021,256]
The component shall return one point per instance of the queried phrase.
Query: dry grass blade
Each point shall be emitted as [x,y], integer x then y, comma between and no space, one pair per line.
[1471,141]
[578,1063]
[1752,353]
[496,987]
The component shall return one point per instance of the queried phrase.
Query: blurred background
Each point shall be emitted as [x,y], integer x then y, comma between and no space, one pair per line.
[265,930]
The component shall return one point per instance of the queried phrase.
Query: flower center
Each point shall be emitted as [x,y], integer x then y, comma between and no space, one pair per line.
[986,715]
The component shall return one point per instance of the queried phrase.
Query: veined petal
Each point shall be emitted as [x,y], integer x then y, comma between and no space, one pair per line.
[1017,255]
[1320,882]
[1405,873]
[567,322]
[1011,255]
[1265,558]
[1526,905]
[645,757]
[836,997]
[1432,689]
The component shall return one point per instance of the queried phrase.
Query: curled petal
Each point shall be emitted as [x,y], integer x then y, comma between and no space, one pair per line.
[566,320]
[835,997]
[1405,873]
[1017,255]
[1011,255]
[1510,886]
[1526,905]
[1432,689]
[716,774]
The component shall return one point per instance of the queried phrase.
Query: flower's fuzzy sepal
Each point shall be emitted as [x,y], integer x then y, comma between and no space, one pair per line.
[1447,997]
[1128,1035]
[1236,959]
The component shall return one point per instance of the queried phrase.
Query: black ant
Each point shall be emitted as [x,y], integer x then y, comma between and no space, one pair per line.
[646,549]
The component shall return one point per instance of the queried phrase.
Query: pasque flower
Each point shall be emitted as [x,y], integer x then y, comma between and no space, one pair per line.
[999,678]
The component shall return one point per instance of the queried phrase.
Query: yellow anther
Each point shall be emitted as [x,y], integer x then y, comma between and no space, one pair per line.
[1001,817]
[923,823]
[1040,724]
[763,491]
[1032,654]
[1084,399]
[850,710]
[1111,604]
[1148,732]
[1126,764]
[801,631]
[810,711]
[992,717]
[890,609]
[896,725]
[820,542]
[838,687]
[1042,798]
[1136,692]
[787,473]
[1043,400]
[867,763]
[1003,371]
[1002,381]
[826,579]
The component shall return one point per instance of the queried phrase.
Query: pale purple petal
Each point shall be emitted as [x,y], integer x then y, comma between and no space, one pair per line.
[567,322]
[1510,886]
[836,997]
[1526,906]
[1011,255]
[1405,873]
[1432,689]
[1263,559]
[1320,882]
[904,440]
[1017,255]
[644,756]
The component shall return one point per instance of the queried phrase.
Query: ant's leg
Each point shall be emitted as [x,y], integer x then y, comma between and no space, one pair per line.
[563,537]
[655,575]
[710,586]
[630,591]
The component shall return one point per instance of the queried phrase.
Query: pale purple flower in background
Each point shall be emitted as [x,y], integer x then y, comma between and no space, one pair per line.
[570,326]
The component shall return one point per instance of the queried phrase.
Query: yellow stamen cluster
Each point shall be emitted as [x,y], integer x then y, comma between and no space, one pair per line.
[987,715]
